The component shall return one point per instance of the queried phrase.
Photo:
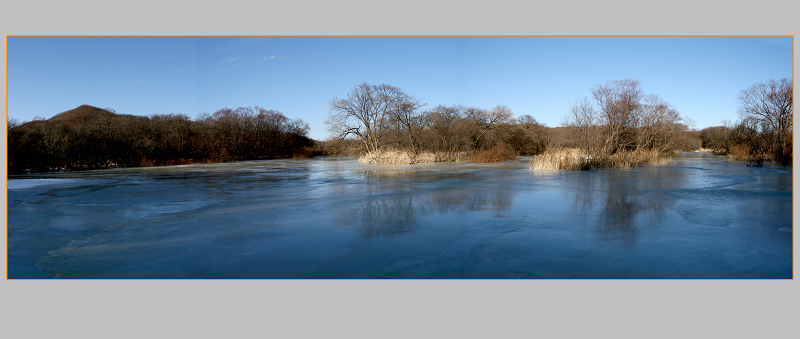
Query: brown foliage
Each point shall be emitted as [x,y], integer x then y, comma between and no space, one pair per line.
[499,152]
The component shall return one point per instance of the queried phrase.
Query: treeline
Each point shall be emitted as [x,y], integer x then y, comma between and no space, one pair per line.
[377,120]
[749,142]
[89,137]
[765,127]
[386,125]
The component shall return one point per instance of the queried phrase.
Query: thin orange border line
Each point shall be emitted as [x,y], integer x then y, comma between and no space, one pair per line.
[412,35]
[143,36]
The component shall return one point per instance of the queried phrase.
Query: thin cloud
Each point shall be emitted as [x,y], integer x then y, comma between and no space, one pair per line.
[227,61]
[275,57]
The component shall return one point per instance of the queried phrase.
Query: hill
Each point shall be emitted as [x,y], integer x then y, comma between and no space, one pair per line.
[88,113]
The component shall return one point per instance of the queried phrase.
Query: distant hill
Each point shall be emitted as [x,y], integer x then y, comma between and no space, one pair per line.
[85,113]
[81,115]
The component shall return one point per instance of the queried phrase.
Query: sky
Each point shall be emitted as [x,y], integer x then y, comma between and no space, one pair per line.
[298,76]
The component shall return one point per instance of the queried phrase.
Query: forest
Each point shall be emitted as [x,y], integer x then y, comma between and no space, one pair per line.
[617,126]
[88,137]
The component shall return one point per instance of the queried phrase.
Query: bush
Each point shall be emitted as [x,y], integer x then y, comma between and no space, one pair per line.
[499,152]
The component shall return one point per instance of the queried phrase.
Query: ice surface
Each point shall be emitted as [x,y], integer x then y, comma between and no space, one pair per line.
[700,216]
[18,184]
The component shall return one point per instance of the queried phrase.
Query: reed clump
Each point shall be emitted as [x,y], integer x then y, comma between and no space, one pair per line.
[499,152]
[636,158]
[398,157]
[561,158]
[393,157]
[751,157]
[577,159]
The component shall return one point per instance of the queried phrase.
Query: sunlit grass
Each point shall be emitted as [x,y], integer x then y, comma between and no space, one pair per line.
[396,157]
[576,159]
[392,157]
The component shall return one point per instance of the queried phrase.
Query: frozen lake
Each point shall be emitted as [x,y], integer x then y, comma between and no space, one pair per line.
[701,216]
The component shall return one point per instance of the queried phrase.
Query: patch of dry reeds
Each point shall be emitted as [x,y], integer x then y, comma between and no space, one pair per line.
[560,158]
[635,159]
[576,159]
[393,157]
[743,153]
[499,152]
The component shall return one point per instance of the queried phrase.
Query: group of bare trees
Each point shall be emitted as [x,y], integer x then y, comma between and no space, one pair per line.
[764,130]
[621,118]
[384,117]
[89,137]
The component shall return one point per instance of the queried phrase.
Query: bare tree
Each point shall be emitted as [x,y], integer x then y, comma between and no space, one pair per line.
[770,105]
[486,120]
[367,113]
[527,120]
[586,121]
[618,102]
[408,124]
[447,130]
[657,126]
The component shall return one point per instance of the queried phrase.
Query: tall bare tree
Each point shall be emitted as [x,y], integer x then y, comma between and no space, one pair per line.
[770,105]
[409,125]
[446,126]
[618,102]
[486,120]
[657,125]
[586,121]
[367,113]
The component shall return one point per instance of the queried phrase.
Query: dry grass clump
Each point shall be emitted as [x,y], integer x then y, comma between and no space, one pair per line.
[393,157]
[634,159]
[561,158]
[449,156]
[499,152]
[742,153]
[576,159]
[739,152]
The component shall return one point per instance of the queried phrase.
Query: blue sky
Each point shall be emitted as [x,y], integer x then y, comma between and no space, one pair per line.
[700,76]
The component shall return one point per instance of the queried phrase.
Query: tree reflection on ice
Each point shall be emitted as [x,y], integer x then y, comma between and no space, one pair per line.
[402,209]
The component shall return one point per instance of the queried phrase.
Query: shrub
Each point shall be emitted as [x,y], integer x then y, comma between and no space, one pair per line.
[499,152]
[752,157]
